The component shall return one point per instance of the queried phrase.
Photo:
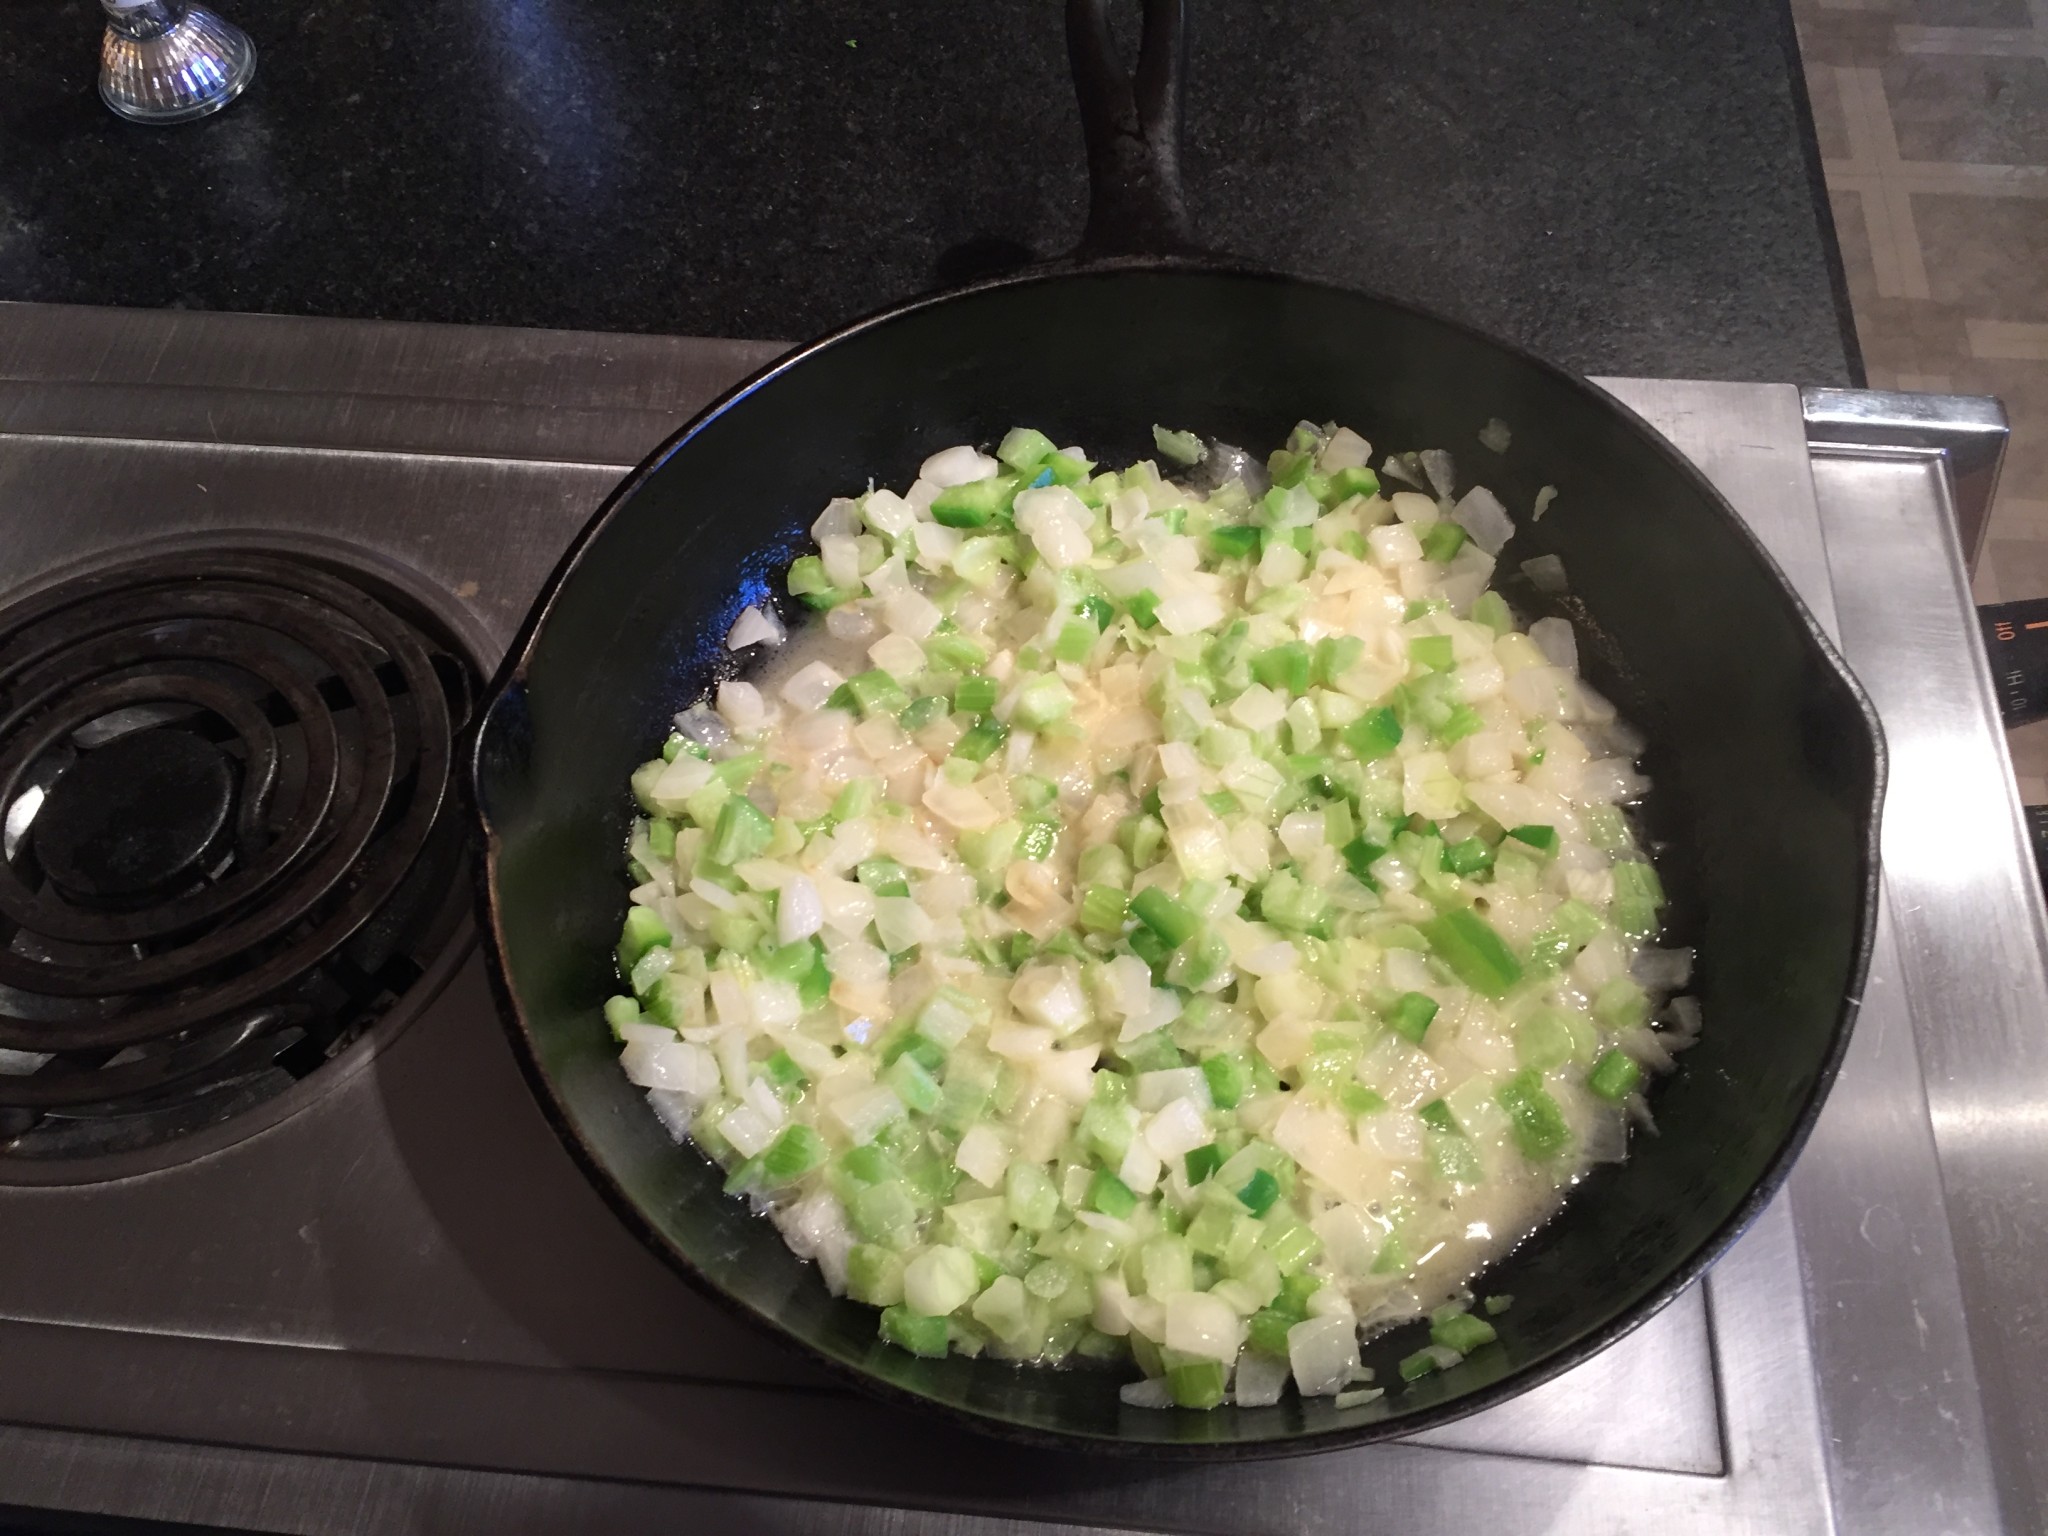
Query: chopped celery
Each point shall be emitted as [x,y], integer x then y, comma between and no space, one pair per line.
[856,799]
[621,1010]
[643,930]
[875,692]
[791,1155]
[1292,1245]
[1144,607]
[1357,1099]
[1291,904]
[1267,1332]
[1621,1004]
[1029,1197]
[1039,837]
[884,1213]
[742,832]
[1288,467]
[1542,839]
[1491,609]
[1461,1331]
[1335,656]
[1462,721]
[1110,1195]
[874,1274]
[1441,540]
[1354,481]
[783,1074]
[1200,964]
[1042,701]
[1229,1080]
[1103,909]
[975,694]
[914,1332]
[1453,1158]
[661,837]
[1539,1125]
[955,653]
[1024,448]
[981,740]
[911,1045]
[1288,668]
[882,875]
[914,1085]
[1432,653]
[1614,1076]
[1164,916]
[1202,1162]
[1543,1040]
[1572,927]
[976,503]
[807,576]
[1197,1383]
[1181,447]
[1076,639]
[921,712]
[1637,896]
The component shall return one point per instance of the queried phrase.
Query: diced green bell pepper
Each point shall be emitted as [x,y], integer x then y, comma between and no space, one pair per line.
[1477,955]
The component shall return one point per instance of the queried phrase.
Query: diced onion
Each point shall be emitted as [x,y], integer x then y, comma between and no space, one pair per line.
[1178,1129]
[754,627]
[1545,573]
[1147,1392]
[957,466]
[1322,1352]
[1481,515]
[983,1154]
[674,1066]
[1259,1381]
[1199,1324]
[1555,640]
[702,726]
[742,706]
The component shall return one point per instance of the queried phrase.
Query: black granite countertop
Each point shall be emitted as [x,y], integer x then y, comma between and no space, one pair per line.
[1629,189]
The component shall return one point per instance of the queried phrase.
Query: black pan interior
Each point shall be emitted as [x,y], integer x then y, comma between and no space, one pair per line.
[1765,756]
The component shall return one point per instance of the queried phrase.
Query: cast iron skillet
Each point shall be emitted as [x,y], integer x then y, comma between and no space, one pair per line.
[1766,757]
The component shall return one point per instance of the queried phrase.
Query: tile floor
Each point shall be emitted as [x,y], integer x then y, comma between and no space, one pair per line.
[1933,125]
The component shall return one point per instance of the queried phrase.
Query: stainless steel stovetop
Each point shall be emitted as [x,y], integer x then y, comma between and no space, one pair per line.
[402,1309]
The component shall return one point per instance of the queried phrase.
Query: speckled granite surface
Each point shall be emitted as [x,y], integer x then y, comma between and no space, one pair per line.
[1627,189]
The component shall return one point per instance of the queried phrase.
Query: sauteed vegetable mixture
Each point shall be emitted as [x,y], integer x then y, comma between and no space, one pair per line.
[1172,914]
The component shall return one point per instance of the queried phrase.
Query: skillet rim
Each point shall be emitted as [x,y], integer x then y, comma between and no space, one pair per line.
[509,683]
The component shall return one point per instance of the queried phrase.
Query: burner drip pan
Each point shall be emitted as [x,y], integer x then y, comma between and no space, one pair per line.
[229,840]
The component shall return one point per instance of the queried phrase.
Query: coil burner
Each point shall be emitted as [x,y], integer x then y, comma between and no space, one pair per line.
[228,845]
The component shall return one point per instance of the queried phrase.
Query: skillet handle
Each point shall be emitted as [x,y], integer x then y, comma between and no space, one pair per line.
[1132,128]
[501,759]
